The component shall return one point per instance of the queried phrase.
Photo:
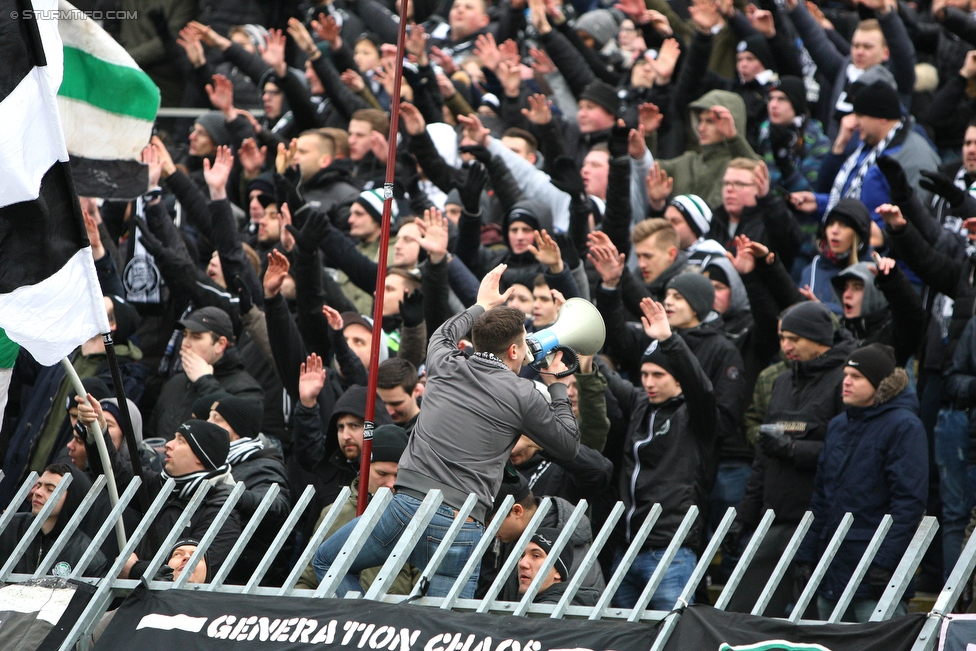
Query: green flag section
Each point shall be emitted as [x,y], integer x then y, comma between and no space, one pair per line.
[8,352]
[107,105]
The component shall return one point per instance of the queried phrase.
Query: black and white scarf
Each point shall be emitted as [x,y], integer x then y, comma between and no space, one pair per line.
[853,191]
[243,449]
[188,483]
[490,357]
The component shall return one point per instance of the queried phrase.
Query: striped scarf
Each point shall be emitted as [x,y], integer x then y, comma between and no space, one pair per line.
[243,449]
[188,483]
[853,191]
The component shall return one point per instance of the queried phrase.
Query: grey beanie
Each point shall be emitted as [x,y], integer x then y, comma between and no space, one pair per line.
[216,126]
[600,24]
[810,320]
[697,290]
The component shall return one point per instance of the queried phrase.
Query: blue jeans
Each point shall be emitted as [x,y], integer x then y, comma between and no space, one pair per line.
[381,541]
[668,591]
[958,481]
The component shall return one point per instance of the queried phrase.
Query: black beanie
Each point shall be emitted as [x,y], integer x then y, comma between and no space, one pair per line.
[202,405]
[126,320]
[389,442]
[209,442]
[875,362]
[812,321]
[879,100]
[602,93]
[697,290]
[244,415]
[654,355]
[795,91]
[523,215]
[518,489]
[756,45]
[93,385]
[717,273]
[546,538]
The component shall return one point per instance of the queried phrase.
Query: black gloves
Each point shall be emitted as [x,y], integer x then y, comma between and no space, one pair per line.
[565,175]
[878,580]
[942,185]
[618,141]
[412,309]
[783,139]
[313,230]
[732,541]
[287,189]
[149,241]
[901,191]
[480,153]
[775,442]
[801,576]
[471,190]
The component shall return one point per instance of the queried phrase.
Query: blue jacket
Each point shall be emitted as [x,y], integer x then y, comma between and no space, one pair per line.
[818,275]
[874,462]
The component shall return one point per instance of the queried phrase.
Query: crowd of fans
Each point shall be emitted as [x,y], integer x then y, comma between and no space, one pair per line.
[769,204]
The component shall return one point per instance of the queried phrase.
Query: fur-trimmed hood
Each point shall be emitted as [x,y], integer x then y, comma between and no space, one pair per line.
[891,386]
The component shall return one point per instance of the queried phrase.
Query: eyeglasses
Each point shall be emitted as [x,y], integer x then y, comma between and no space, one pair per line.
[736,185]
[273,93]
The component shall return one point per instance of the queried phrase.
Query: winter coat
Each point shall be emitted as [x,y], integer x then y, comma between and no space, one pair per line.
[959,383]
[331,192]
[874,462]
[701,172]
[769,222]
[554,593]
[178,394]
[803,401]
[668,449]
[900,328]
[819,274]
[584,477]
[807,156]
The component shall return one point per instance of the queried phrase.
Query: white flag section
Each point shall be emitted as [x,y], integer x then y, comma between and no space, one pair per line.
[50,301]
[39,614]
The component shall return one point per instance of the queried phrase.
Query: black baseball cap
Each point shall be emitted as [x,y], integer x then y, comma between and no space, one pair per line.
[209,319]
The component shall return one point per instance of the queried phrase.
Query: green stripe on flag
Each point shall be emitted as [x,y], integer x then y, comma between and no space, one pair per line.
[8,352]
[117,89]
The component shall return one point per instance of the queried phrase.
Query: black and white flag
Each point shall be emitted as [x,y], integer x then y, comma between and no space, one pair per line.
[50,300]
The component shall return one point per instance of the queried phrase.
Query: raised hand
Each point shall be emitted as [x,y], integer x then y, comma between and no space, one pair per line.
[445,85]
[287,239]
[969,65]
[705,15]
[635,143]
[543,64]
[537,12]
[444,60]
[286,155]
[413,119]
[655,320]
[511,78]
[660,22]
[278,266]
[488,296]
[189,40]
[416,44]
[667,57]
[473,129]
[486,49]
[91,227]
[762,179]
[633,9]
[540,109]
[746,254]
[333,317]
[808,294]
[433,234]
[546,251]
[892,216]
[151,158]
[354,80]
[762,20]
[804,201]
[165,160]
[659,187]
[510,53]
[273,52]
[724,121]
[217,174]
[650,117]
[607,261]
[252,159]
[209,36]
[327,29]
[221,94]
[884,265]
[304,40]
[311,379]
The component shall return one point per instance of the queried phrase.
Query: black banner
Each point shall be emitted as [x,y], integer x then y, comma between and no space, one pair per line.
[206,621]
[38,615]
[703,628]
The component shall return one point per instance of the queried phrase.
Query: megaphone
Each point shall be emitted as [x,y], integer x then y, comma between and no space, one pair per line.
[579,330]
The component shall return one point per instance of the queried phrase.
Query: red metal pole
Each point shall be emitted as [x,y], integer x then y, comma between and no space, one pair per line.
[374,358]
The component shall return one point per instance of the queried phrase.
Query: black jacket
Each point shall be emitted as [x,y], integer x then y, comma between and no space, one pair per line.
[769,222]
[582,478]
[552,595]
[668,448]
[330,191]
[803,400]
[178,394]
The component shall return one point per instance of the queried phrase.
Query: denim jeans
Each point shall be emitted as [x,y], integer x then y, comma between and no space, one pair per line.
[957,481]
[377,547]
[668,591]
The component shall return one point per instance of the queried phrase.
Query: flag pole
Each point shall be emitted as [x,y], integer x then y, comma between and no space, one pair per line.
[113,490]
[374,357]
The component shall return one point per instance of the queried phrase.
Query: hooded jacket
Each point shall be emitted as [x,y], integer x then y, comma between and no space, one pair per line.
[68,558]
[902,329]
[329,189]
[874,462]
[803,400]
[825,265]
[178,395]
[668,449]
[701,172]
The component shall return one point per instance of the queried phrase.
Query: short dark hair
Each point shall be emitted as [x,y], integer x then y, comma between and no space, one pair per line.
[497,329]
[972,123]
[397,372]
[58,469]
[540,281]
[515,132]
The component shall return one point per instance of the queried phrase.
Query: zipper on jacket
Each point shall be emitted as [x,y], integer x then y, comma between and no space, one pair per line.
[637,469]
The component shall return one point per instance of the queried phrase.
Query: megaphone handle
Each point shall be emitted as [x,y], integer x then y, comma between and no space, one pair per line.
[570,359]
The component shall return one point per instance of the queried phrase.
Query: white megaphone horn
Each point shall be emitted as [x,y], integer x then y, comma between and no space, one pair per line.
[579,330]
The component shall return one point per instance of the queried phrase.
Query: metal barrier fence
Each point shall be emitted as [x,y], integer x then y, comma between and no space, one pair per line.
[108,587]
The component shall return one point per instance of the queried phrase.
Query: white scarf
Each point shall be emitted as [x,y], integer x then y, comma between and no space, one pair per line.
[243,449]
[188,483]
[853,191]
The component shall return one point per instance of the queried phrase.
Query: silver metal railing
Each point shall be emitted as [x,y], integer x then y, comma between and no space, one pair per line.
[108,587]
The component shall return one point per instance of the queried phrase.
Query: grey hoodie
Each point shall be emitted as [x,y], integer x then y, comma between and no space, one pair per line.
[874,300]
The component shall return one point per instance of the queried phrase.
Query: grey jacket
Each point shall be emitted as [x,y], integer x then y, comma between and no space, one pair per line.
[474,411]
